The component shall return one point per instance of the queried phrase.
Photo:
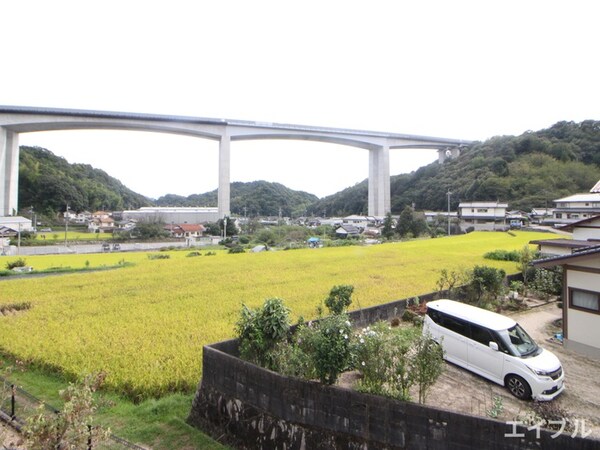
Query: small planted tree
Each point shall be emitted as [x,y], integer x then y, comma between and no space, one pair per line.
[392,360]
[526,255]
[332,349]
[427,364]
[259,331]
[73,427]
[486,283]
[339,298]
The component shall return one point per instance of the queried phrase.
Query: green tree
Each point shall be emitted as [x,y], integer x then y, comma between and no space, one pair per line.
[388,226]
[339,298]
[427,364]
[260,331]
[150,230]
[486,283]
[526,255]
[405,222]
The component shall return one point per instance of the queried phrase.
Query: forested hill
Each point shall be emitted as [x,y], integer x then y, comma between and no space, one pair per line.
[526,171]
[255,198]
[48,183]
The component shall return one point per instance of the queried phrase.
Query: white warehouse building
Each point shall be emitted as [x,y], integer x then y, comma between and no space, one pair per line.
[177,215]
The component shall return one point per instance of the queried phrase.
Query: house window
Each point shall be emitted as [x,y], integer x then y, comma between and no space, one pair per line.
[559,215]
[482,210]
[584,300]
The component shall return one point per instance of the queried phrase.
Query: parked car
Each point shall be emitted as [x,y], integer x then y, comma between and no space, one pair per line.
[495,347]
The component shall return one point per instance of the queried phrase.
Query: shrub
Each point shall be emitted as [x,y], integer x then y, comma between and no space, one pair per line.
[547,282]
[332,347]
[17,263]
[503,255]
[159,256]
[192,254]
[339,298]
[72,428]
[260,331]
[392,360]
[486,283]
[236,249]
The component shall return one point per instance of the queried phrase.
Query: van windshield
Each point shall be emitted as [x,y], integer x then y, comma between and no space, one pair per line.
[519,342]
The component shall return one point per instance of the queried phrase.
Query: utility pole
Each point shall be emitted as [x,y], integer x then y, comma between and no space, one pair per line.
[66,223]
[449,194]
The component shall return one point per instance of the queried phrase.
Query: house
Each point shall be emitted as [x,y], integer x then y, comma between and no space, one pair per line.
[361,221]
[586,232]
[345,231]
[581,298]
[101,224]
[517,218]
[440,216]
[185,230]
[483,215]
[541,216]
[82,217]
[576,207]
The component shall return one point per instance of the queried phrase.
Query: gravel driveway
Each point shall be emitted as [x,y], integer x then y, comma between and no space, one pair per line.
[460,390]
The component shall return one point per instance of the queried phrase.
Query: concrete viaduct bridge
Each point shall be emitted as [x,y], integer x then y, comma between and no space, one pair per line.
[16,119]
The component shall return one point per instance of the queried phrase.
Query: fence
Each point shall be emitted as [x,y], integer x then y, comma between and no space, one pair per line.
[16,404]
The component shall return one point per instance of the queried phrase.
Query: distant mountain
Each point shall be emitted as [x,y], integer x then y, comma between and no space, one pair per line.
[526,171]
[48,183]
[260,198]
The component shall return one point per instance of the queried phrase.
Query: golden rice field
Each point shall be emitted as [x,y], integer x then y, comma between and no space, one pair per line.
[145,325]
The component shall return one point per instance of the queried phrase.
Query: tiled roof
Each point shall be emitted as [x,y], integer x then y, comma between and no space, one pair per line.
[583,253]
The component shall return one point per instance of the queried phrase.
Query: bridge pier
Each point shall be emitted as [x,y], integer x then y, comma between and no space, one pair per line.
[379,181]
[223,193]
[9,172]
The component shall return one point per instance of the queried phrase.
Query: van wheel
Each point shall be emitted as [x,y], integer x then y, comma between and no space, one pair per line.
[518,387]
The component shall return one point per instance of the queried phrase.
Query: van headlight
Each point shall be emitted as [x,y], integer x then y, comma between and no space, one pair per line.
[539,372]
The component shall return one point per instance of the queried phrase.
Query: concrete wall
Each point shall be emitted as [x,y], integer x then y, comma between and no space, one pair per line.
[256,408]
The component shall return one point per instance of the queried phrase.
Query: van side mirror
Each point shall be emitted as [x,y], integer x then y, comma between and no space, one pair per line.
[494,346]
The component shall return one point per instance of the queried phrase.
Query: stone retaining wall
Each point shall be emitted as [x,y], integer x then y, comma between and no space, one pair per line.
[258,408]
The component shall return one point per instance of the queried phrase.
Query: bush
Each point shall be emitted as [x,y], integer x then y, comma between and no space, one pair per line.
[159,256]
[394,359]
[236,249]
[72,428]
[503,255]
[192,254]
[332,348]
[339,298]
[486,283]
[547,282]
[260,331]
[17,263]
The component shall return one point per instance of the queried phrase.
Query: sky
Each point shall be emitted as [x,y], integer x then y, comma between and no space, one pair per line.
[455,69]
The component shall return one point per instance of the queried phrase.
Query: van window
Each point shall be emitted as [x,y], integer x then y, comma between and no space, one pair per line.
[456,325]
[481,335]
[435,315]
[521,343]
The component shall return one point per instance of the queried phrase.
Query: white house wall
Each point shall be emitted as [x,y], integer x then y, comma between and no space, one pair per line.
[584,327]
[586,233]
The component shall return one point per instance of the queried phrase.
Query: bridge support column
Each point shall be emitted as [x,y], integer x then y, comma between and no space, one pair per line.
[224,197]
[379,181]
[9,172]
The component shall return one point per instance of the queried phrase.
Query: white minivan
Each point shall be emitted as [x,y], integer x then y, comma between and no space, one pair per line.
[495,347]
